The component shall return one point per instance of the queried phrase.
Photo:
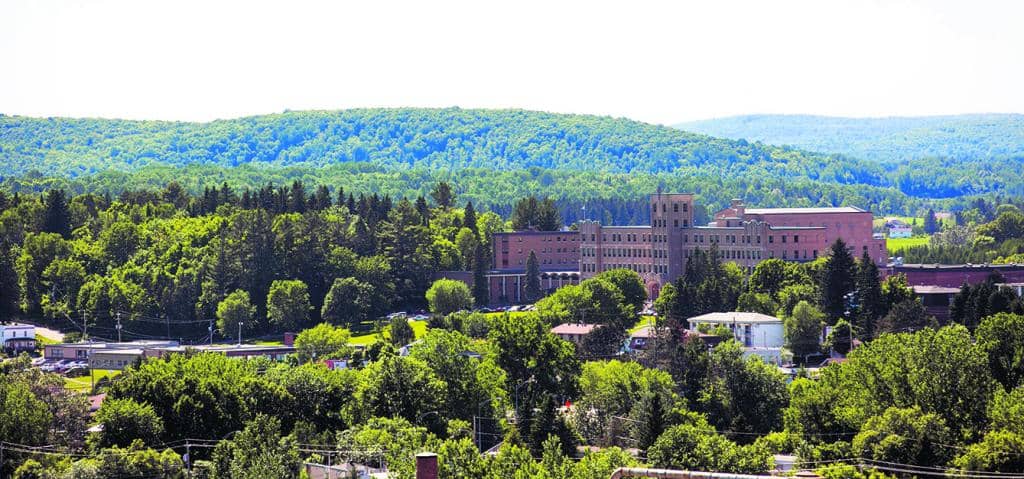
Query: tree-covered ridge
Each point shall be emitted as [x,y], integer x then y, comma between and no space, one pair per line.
[431,138]
[982,146]
[894,139]
[937,156]
[490,156]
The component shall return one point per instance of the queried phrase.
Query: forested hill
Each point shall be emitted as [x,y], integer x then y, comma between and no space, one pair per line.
[491,156]
[432,138]
[888,140]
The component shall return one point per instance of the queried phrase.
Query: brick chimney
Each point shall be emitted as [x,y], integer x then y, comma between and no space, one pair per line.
[426,465]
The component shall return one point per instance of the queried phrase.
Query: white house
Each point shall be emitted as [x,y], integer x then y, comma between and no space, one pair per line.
[761,335]
[901,231]
[752,330]
[17,337]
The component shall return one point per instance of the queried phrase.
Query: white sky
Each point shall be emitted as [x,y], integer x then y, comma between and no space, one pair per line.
[655,62]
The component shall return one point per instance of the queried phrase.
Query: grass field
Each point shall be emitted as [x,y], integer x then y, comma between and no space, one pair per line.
[880,221]
[84,383]
[419,328]
[43,340]
[896,244]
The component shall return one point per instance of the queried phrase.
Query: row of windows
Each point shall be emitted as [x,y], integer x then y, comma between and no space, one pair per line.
[756,254]
[547,250]
[639,268]
[675,207]
[547,261]
[547,239]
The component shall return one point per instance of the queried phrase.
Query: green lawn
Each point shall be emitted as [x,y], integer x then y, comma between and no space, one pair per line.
[895,244]
[84,383]
[880,221]
[644,321]
[419,328]
[44,340]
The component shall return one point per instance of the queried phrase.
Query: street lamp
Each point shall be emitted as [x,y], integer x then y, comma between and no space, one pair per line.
[520,384]
[240,323]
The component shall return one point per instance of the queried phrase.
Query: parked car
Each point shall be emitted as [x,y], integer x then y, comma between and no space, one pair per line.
[76,372]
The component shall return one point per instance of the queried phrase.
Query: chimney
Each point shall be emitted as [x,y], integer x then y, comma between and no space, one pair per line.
[426,465]
[737,204]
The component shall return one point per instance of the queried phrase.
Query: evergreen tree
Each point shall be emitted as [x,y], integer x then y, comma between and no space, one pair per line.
[481,289]
[297,198]
[931,224]
[532,278]
[837,281]
[871,304]
[546,423]
[649,419]
[10,291]
[443,195]
[469,217]
[321,199]
[57,215]
[424,210]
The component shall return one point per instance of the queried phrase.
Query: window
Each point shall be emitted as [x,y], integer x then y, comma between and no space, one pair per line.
[783,238]
[685,205]
[675,207]
[796,239]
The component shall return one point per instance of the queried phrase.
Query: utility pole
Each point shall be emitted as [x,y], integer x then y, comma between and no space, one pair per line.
[119,326]
[210,328]
[240,333]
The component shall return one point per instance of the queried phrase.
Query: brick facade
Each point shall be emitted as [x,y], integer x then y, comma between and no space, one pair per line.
[658,251]
[954,276]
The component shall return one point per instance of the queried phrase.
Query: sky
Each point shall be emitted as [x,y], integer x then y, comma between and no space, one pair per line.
[658,62]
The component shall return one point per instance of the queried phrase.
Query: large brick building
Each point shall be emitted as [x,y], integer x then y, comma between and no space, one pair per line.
[658,251]
[745,236]
[558,258]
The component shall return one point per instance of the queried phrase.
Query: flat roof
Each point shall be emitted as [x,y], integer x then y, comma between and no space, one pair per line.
[126,352]
[957,266]
[932,289]
[735,317]
[116,346]
[573,328]
[790,211]
[230,347]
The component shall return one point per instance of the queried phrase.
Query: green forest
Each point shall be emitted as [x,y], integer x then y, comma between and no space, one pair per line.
[491,157]
[895,140]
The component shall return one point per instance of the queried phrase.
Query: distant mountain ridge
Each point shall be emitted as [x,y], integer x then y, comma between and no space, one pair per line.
[491,156]
[888,140]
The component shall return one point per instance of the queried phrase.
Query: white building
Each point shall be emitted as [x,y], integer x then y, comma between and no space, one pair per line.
[17,337]
[752,330]
[901,231]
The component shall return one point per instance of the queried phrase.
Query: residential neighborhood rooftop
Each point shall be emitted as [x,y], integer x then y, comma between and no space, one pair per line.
[734,317]
[573,328]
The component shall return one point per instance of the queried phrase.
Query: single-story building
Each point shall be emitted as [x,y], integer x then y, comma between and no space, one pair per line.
[274,352]
[83,351]
[573,332]
[750,329]
[116,359]
[936,299]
